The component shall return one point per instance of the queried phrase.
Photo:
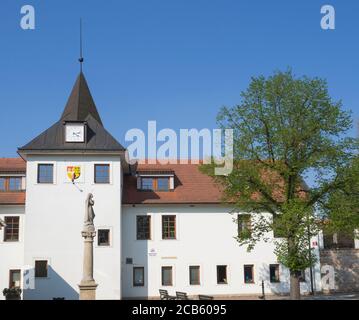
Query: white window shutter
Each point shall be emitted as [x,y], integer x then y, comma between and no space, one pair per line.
[23,183]
[172,183]
[138,183]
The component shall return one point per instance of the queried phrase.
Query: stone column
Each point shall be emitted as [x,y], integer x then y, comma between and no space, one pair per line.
[88,285]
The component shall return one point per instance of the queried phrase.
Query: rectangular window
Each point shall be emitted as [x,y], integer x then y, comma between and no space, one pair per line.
[274,272]
[194,275]
[167,276]
[138,276]
[102,173]
[248,273]
[11,232]
[14,279]
[168,227]
[41,268]
[10,184]
[147,184]
[244,225]
[14,183]
[103,237]
[162,184]
[143,224]
[222,275]
[45,173]
[155,183]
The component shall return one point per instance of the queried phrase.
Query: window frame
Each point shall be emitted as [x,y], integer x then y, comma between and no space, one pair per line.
[198,267]
[133,276]
[47,269]
[148,217]
[252,272]
[166,228]
[12,233]
[155,183]
[277,267]
[109,173]
[11,272]
[226,274]
[162,269]
[50,165]
[109,237]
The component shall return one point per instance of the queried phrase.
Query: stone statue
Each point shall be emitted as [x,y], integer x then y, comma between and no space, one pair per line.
[88,285]
[89,214]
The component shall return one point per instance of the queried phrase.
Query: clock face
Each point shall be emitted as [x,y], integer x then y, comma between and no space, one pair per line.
[75,132]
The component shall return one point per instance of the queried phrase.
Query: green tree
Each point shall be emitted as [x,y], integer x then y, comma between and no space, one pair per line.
[341,208]
[285,129]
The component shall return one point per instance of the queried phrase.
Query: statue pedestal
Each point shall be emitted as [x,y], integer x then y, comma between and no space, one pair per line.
[88,285]
[88,290]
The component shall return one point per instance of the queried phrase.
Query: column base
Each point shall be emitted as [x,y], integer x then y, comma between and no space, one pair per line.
[88,290]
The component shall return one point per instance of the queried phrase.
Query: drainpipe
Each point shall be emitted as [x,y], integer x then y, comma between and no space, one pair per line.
[310,260]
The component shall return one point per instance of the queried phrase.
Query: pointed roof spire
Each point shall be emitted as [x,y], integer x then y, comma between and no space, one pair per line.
[80,103]
[81,59]
[80,107]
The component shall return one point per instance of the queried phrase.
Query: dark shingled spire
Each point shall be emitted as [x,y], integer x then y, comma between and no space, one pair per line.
[80,103]
[79,107]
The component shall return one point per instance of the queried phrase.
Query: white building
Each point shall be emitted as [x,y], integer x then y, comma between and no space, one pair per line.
[158,226]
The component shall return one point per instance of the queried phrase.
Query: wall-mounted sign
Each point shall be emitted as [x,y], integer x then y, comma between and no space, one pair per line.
[73,172]
[152,253]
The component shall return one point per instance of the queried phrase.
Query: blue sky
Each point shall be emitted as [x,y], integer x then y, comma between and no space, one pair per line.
[173,61]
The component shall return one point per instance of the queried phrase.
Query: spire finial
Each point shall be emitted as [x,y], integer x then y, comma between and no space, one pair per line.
[81,59]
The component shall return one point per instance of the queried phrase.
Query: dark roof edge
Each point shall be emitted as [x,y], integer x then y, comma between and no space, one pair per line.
[12,171]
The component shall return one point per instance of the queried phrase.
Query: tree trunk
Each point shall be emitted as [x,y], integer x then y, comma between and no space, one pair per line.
[294,285]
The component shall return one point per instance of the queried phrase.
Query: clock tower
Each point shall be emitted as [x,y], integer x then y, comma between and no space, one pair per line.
[72,158]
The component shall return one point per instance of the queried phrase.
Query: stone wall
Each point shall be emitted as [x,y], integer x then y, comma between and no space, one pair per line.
[346,267]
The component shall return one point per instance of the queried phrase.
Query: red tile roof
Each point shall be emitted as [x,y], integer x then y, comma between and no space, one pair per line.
[191,186]
[12,165]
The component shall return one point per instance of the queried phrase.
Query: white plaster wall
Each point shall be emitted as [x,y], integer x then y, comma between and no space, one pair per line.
[55,215]
[205,238]
[11,253]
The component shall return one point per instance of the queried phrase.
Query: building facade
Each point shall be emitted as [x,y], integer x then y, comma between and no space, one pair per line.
[157,226]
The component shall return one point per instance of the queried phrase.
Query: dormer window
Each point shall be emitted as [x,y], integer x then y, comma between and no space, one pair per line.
[155,183]
[147,181]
